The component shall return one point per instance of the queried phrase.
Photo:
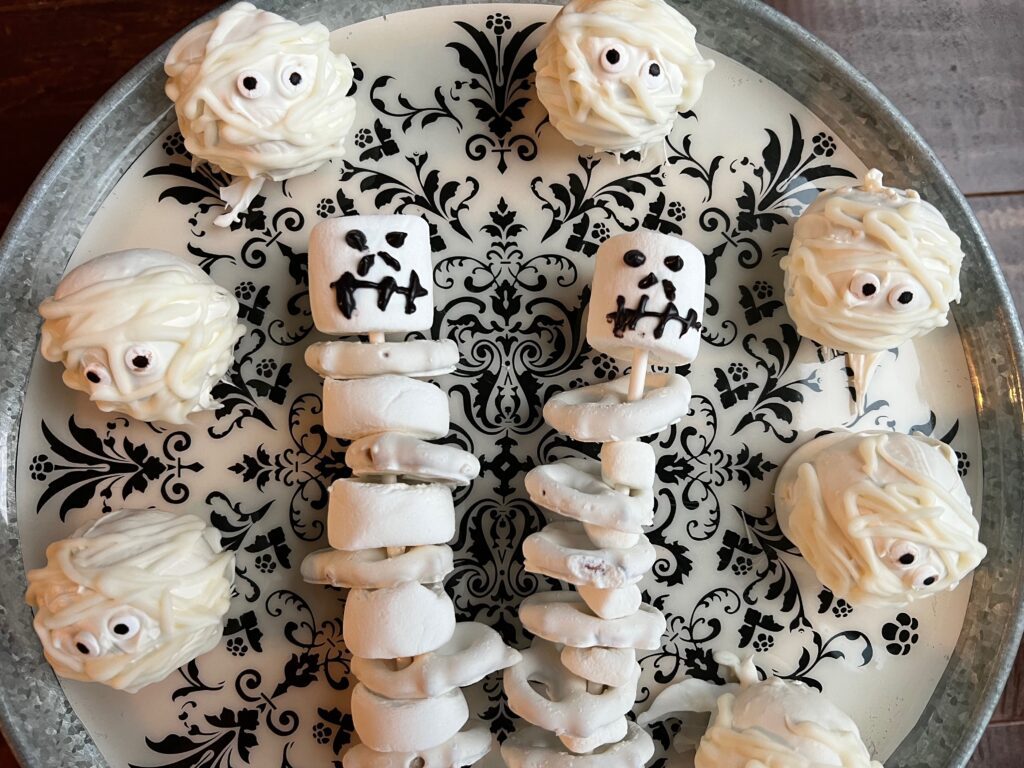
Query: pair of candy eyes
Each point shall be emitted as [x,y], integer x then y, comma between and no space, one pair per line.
[614,60]
[122,627]
[866,286]
[137,359]
[904,555]
[253,85]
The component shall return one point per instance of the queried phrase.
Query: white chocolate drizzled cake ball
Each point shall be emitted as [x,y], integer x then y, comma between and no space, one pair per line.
[614,74]
[131,597]
[260,96]
[142,332]
[870,268]
[883,518]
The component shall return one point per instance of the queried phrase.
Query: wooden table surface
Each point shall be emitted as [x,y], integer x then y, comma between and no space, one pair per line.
[954,67]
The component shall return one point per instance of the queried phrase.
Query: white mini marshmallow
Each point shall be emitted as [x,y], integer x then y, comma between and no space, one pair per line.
[464,748]
[563,617]
[363,515]
[361,407]
[401,621]
[371,274]
[648,294]
[391,453]
[543,692]
[602,413]
[629,464]
[374,569]
[474,651]
[407,725]
[536,748]
[419,358]
[605,666]
[574,488]
[612,603]
[563,550]
[608,538]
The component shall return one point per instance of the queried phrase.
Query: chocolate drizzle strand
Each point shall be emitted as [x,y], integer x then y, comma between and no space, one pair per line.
[345,288]
[626,318]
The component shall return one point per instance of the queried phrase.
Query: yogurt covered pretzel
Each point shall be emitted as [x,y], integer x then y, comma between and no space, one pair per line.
[578,680]
[389,524]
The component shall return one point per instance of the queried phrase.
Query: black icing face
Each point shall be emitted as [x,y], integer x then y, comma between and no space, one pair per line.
[656,297]
[379,258]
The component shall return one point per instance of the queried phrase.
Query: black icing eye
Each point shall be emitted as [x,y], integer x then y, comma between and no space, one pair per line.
[903,553]
[124,627]
[864,285]
[654,70]
[86,644]
[396,239]
[293,79]
[652,75]
[97,374]
[613,59]
[251,84]
[356,239]
[634,258]
[903,296]
[138,359]
[674,263]
[930,580]
[907,559]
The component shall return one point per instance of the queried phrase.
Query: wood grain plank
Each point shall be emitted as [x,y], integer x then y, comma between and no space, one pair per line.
[1000,747]
[955,68]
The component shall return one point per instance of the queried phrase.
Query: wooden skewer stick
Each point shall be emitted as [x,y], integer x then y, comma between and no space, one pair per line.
[379,338]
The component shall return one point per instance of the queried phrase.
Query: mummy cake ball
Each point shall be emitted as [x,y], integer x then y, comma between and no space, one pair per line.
[259,97]
[615,74]
[131,597]
[869,268]
[883,518]
[765,723]
[389,524]
[577,682]
[141,332]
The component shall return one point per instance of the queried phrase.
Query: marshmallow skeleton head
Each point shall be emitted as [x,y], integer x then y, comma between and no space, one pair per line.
[648,294]
[131,597]
[371,274]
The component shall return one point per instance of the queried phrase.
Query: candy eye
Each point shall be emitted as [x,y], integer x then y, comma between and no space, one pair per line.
[138,359]
[613,58]
[294,79]
[902,297]
[653,75]
[124,627]
[925,576]
[865,285]
[903,554]
[86,644]
[251,84]
[97,374]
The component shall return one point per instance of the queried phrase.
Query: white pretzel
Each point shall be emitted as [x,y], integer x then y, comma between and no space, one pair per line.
[563,617]
[390,453]
[464,748]
[536,748]
[419,358]
[605,666]
[563,550]
[574,488]
[373,569]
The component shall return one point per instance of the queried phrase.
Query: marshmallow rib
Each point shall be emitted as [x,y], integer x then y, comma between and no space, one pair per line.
[563,550]
[364,515]
[407,725]
[397,622]
[602,413]
[464,748]
[359,407]
[563,617]
[630,464]
[417,358]
[390,453]
[473,652]
[535,748]
[574,488]
[374,569]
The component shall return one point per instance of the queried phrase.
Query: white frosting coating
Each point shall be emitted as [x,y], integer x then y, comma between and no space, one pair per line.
[629,464]
[131,597]
[260,96]
[390,453]
[464,748]
[374,569]
[543,692]
[419,358]
[364,515]
[563,617]
[563,550]
[361,407]
[407,725]
[602,413]
[629,99]
[401,621]
[883,518]
[474,651]
[604,666]
[142,332]
[371,274]
[606,734]
[615,603]
[574,488]
[870,268]
[648,295]
[535,748]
